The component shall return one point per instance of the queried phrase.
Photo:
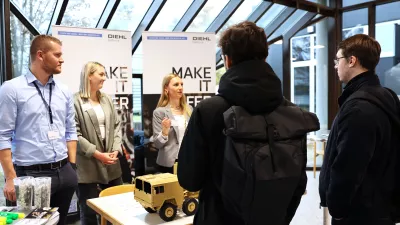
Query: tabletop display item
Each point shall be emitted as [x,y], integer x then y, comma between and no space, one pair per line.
[24,192]
[42,192]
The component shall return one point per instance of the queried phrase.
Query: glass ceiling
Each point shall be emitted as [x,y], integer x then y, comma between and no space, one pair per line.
[130,13]
[83,13]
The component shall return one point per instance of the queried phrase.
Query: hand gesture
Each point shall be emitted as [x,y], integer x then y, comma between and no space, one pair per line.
[105,158]
[166,124]
[9,190]
[114,154]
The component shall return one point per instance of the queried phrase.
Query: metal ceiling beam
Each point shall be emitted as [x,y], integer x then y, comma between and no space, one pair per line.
[25,21]
[298,26]
[189,15]
[366,5]
[224,15]
[307,6]
[146,22]
[314,21]
[278,21]
[58,14]
[259,11]
[5,42]
[108,13]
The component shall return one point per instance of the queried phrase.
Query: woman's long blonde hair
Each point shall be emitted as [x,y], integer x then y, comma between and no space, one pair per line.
[164,98]
[88,69]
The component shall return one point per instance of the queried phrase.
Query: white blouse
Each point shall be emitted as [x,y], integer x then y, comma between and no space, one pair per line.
[102,120]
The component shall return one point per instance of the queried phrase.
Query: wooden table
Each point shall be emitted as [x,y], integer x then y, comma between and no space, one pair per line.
[124,209]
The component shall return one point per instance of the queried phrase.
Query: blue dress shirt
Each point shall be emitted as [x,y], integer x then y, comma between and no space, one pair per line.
[25,121]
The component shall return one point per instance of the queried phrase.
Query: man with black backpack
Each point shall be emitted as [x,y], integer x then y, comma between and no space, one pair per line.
[245,150]
[358,179]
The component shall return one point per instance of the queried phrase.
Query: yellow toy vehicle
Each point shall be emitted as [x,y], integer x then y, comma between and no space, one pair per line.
[162,193]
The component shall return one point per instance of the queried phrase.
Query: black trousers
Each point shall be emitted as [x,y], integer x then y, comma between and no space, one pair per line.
[63,184]
[88,191]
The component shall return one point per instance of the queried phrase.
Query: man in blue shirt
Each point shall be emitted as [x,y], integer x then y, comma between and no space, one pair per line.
[38,126]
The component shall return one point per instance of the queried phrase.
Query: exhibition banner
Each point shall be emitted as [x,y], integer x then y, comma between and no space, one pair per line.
[190,55]
[113,49]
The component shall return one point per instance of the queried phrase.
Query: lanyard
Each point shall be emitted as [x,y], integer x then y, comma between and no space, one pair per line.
[44,101]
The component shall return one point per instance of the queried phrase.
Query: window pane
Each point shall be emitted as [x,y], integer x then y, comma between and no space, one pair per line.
[137,60]
[207,15]
[388,12]
[137,103]
[241,14]
[20,44]
[300,48]
[388,36]
[302,87]
[355,22]
[275,59]
[354,2]
[293,19]
[270,15]
[129,14]
[170,15]
[83,13]
[38,12]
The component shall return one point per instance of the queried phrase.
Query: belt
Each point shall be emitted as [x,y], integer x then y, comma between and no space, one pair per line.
[47,166]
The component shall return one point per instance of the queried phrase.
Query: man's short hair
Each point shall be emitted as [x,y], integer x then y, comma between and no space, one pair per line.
[366,49]
[41,42]
[244,41]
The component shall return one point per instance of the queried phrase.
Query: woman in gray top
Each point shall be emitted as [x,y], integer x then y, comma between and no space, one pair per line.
[99,139]
[170,119]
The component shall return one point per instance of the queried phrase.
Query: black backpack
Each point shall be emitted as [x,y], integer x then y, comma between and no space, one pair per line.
[369,94]
[263,161]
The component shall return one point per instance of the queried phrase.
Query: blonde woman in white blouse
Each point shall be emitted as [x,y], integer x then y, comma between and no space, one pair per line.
[99,139]
[170,119]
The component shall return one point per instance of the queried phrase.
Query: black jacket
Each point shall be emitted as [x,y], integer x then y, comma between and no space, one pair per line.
[357,176]
[252,85]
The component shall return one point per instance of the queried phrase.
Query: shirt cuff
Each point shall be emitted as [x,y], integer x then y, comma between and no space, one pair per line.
[163,139]
[5,145]
[71,137]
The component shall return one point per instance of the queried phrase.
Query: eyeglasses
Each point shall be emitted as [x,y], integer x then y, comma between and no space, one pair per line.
[337,60]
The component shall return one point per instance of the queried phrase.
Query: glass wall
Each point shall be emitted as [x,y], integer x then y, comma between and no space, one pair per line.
[20,44]
[355,22]
[309,76]
[388,35]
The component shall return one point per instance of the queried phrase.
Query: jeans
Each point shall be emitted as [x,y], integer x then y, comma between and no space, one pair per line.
[88,191]
[63,184]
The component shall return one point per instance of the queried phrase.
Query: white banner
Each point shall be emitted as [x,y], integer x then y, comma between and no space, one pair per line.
[190,55]
[113,49]
[109,47]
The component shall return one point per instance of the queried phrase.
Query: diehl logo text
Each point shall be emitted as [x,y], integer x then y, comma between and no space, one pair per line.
[116,36]
[201,39]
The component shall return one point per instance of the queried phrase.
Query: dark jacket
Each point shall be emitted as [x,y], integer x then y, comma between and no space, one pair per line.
[252,85]
[357,176]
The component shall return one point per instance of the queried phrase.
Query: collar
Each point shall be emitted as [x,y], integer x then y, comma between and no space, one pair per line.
[368,78]
[31,78]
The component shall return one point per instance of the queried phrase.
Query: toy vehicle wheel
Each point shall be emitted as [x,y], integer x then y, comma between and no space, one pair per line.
[150,210]
[168,212]
[189,206]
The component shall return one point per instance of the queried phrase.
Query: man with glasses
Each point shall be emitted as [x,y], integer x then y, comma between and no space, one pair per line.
[357,177]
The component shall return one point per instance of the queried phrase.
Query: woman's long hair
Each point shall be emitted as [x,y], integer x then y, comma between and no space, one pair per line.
[164,98]
[88,69]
